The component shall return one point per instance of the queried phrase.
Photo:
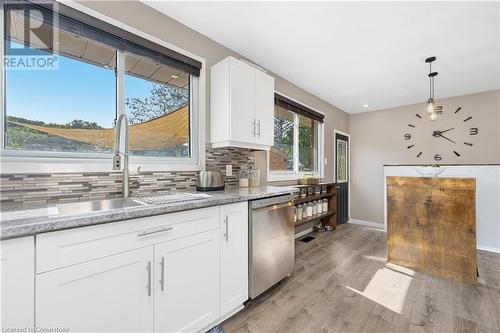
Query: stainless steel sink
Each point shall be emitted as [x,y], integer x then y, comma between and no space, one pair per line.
[97,205]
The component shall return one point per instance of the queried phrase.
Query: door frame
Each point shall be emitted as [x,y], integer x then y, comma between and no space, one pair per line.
[335,131]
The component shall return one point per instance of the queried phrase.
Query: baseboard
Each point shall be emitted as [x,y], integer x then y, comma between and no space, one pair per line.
[488,249]
[303,232]
[223,318]
[367,223]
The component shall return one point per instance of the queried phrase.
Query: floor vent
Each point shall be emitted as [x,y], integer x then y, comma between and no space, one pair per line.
[307,239]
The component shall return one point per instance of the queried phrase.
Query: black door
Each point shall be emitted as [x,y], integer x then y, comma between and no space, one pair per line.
[342,177]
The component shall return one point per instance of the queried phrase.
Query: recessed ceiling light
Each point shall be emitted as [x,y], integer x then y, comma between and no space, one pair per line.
[365,105]
[174,76]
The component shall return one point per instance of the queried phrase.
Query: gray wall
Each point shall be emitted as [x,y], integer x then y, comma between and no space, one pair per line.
[377,139]
[157,24]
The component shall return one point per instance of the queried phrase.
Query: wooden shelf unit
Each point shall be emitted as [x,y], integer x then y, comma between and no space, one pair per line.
[328,219]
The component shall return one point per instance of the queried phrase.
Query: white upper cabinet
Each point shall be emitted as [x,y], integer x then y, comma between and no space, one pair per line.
[241,106]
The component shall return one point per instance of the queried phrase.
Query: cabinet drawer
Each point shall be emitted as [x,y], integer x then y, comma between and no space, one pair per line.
[68,247]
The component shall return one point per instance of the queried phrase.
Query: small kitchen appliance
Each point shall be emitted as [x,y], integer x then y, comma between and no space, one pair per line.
[210,181]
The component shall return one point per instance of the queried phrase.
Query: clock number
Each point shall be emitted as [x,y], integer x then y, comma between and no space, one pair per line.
[437,157]
[473,131]
[407,136]
[419,154]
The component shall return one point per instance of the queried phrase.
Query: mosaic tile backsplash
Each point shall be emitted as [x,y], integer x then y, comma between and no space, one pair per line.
[26,190]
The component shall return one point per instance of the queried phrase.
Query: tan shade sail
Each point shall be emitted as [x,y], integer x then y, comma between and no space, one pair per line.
[171,130]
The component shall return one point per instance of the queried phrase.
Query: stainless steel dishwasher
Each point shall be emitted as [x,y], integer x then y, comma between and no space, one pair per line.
[271,242]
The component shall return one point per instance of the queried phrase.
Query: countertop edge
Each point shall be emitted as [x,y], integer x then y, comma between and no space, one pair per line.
[30,227]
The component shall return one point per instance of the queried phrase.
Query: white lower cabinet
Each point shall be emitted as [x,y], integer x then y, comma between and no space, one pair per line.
[17,265]
[178,273]
[187,283]
[234,257]
[113,294]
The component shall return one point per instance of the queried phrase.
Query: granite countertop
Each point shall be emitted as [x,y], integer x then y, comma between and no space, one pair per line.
[48,220]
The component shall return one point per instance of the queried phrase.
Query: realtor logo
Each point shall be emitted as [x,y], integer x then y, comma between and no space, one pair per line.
[31,39]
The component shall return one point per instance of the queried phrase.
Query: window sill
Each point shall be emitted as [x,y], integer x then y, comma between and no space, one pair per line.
[24,164]
[288,176]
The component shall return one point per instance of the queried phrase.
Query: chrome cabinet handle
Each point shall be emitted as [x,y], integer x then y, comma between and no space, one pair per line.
[258,134]
[148,287]
[145,233]
[226,234]
[162,276]
[253,123]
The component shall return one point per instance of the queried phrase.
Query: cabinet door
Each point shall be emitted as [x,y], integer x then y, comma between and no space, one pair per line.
[234,256]
[187,283]
[112,294]
[18,283]
[264,108]
[242,95]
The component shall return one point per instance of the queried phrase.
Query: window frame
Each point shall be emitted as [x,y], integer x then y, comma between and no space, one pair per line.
[17,161]
[283,175]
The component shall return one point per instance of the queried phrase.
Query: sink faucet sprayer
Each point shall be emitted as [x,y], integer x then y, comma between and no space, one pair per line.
[117,158]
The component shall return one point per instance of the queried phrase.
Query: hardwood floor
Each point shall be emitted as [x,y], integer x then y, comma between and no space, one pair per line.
[342,283]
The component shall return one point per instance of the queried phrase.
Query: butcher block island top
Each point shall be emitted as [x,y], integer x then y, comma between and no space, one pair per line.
[431,225]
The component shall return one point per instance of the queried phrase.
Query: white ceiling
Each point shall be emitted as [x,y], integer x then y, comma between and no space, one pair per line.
[356,53]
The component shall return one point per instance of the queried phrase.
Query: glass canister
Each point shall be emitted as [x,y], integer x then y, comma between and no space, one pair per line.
[317,190]
[309,210]
[314,208]
[310,191]
[299,213]
[304,211]
[243,178]
[325,205]
[254,177]
[320,206]
[303,192]
[323,189]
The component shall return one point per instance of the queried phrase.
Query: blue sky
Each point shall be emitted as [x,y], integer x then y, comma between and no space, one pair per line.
[76,90]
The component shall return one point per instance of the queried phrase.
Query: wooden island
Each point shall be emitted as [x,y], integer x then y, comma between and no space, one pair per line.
[431,225]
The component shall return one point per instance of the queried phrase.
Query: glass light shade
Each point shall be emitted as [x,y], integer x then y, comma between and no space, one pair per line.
[431,108]
[433,116]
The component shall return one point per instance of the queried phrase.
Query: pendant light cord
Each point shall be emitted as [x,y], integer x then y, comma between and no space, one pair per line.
[430,82]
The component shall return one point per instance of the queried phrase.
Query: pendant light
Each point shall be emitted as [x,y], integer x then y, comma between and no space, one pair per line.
[431,104]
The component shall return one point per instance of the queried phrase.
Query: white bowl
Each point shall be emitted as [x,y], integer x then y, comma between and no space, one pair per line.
[429,171]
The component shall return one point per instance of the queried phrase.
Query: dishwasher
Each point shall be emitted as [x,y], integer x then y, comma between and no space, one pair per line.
[271,242]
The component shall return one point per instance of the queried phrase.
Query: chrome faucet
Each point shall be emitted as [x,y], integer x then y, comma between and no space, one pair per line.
[117,158]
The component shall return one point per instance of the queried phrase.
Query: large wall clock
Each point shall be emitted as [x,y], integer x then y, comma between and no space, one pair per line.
[450,136]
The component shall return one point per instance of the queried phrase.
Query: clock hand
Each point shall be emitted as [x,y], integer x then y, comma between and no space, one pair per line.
[449,129]
[446,138]
[438,133]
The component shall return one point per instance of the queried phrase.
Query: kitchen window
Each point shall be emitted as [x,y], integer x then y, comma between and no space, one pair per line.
[298,141]
[66,82]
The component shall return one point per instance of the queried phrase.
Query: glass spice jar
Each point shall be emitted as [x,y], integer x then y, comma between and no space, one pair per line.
[319,204]
[303,192]
[325,205]
[299,213]
[309,210]
[317,190]
[310,191]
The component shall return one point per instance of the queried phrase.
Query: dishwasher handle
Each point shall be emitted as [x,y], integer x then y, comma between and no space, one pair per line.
[271,201]
[274,207]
